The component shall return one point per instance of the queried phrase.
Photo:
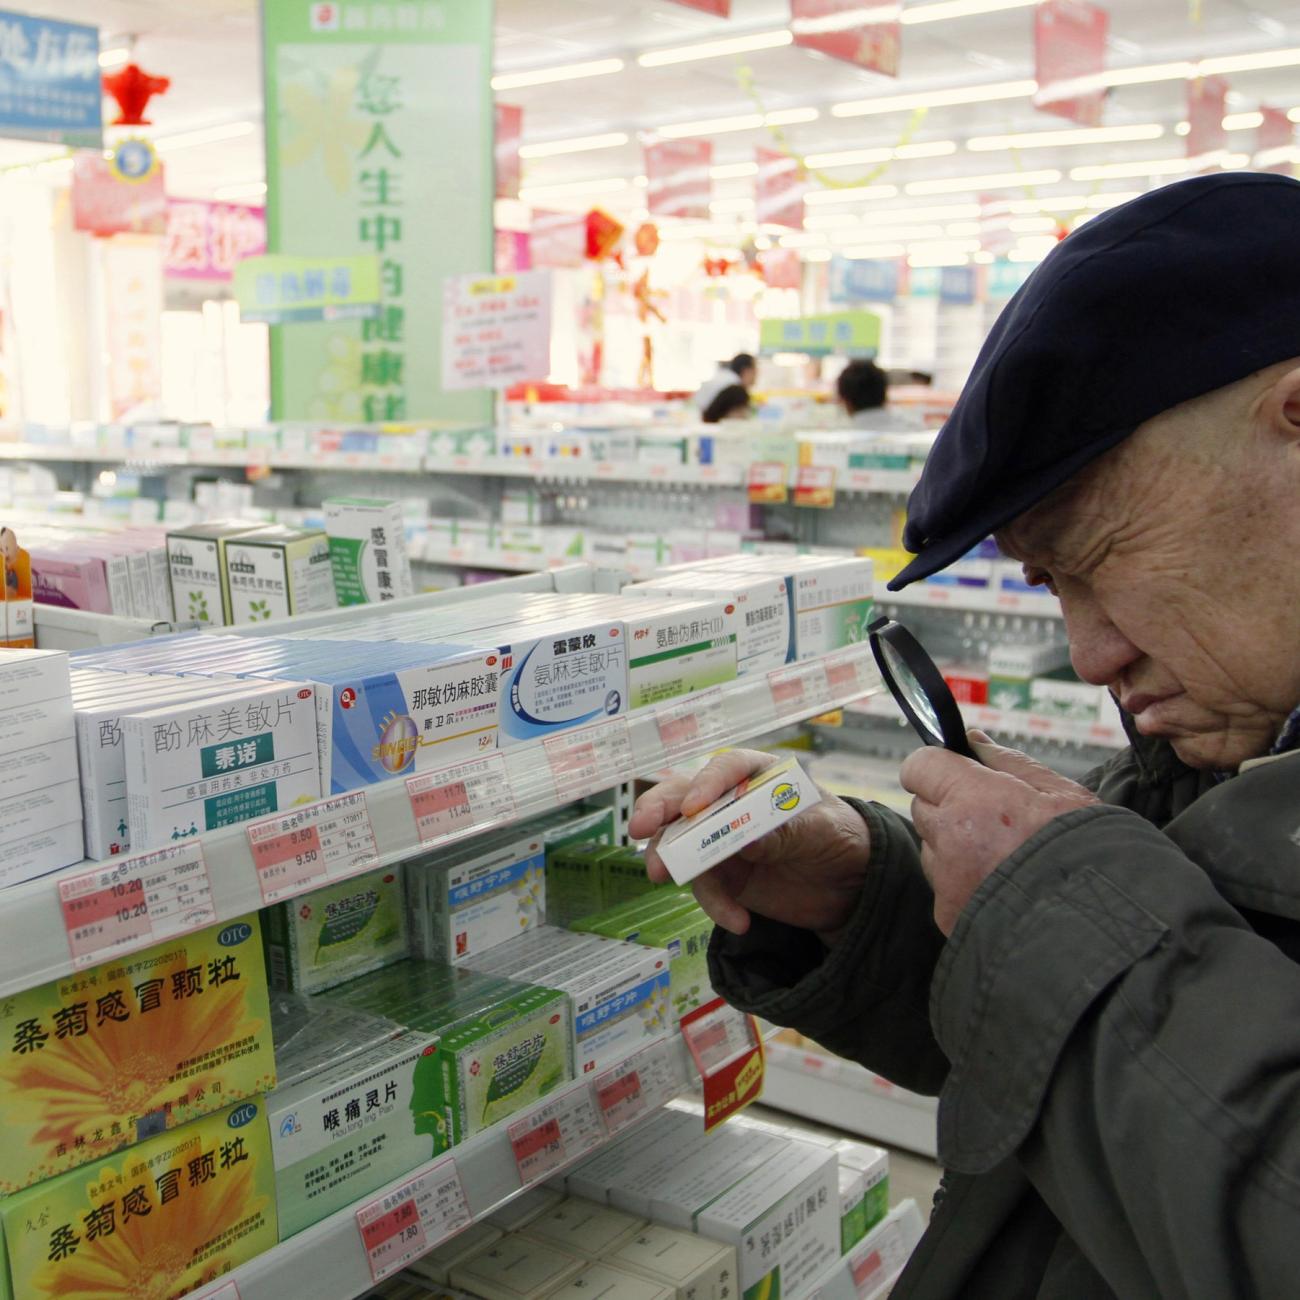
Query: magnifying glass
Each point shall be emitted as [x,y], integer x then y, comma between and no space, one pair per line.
[914,680]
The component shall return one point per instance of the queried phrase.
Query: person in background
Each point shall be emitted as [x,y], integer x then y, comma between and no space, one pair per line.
[742,369]
[731,403]
[863,388]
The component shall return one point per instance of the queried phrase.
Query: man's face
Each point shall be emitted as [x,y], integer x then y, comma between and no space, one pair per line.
[1172,572]
[747,376]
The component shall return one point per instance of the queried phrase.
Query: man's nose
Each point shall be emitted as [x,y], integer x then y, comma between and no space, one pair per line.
[1099,651]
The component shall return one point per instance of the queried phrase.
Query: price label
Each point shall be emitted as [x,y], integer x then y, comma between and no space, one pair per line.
[606,469]
[642,1083]
[658,471]
[329,840]
[391,1232]
[142,899]
[455,799]
[588,759]
[765,481]
[799,688]
[849,676]
[814,485]
[728,1053]
[695,722]
[567,1127]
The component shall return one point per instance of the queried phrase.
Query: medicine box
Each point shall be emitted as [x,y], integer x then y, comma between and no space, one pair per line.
[515,1268]
[178,1210]
[196,559]
[584,1228]
[69,579]
[593,1177]
[277,571]
[524,1208]
[689,1266]
[438,1263]
[367,540]
[873,1164]
[37,731]
[676,647]
[334,934]
[783,1220]
[71,1051]
[1013,667]
[1061,695]
[692,845]
[194,766]
[604,1282]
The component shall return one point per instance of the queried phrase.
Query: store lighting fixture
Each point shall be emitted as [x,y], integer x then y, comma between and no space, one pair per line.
[1100,202]
[733,171]
[843,20]
[985,94]
[936,212]
[1158,166]
[577,144]
[541,193]
[869,252]
[244,190]
[816,255]
[892,234]
[715,49]
[1294,114]
[961,229]
[956,257]
[205,135]
[1054,139]
[720,206]
[117,57]
[563,72]
[1145,74]
[945,9]
[1031,225]
[710,126]
[926,149]
[1243,121]
[1248,62]
[828,220]
[791,116]
[1283,153]
[993,181]
[859,157]
[983,257]
[850,194]
[700,230]
[802,239]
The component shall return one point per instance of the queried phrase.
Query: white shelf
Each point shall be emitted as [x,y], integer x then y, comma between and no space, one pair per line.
[977,600]
[1108,734]
[842,1093]
[327,1261]
[36,947]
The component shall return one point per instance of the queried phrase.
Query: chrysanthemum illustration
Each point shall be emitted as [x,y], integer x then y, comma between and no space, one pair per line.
[323,119]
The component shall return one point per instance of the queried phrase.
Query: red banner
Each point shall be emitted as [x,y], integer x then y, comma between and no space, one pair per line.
[512,252]
[558,239]
[869,36]
[205,240]
[677,176]
[1069,42]
[1275,143]
[722,8]
[1207,100]
[778,189]
[781,268]
[107,202]
[509,127]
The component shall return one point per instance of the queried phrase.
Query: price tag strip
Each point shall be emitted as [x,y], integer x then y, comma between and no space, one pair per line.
[566,1127]
[404,1224]
[226,1291]
[849,675]
[319,842]
[589,759]
[460,798]
[697,721]
[728,1052]
[141,899]
[765,482]
[814,485]
[642,1083]
[799,687]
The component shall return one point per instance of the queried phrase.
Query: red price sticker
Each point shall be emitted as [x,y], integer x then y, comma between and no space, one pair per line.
[319,842]
[814,485]
[466,796]
[139,900]
[538,1150]
[765,481]
[787,690]
[391,1232]
[728,1053]
[588,759]
[849,676]
[552,1135]
[632,1088]
[694,723]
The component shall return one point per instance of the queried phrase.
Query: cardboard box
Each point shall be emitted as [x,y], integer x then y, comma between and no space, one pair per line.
[367,540]
[69,579]
[179,1209]
[277,571]
[196,558]
[194,1008]
[521,1210]
[604,1282]
[1062,695]
[689,1266]
[515,1268]
[436,1266]
[584,1228]
[336,933]
[679,646]
[691,845]
[37,731]
[593,1177]
[873,1164]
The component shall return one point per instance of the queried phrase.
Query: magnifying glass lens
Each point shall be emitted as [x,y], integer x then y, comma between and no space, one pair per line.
[916,694]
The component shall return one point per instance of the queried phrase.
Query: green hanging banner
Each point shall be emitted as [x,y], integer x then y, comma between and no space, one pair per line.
[378,144]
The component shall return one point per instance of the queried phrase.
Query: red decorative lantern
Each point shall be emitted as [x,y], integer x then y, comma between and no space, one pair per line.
[132,89]
[603,232]
[646,239]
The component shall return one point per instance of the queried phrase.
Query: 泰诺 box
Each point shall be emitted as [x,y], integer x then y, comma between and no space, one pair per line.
[367,541]
[276,571]
[333,934]
[164,1217]
[112,1054]
[690,846]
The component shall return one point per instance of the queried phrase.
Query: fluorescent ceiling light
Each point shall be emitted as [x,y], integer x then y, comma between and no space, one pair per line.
[1031,225]
[1243,121]
[244,190]
[934,13]
[851,194]
[816,255]
[1294,115]
[711,126]
[1053,139]
[926,149]
[891,234]
[801,239]
[962,229]
[858,157]
[868,252]
[564,72]
[983,257]
[1144,74]
[577,144]
[732,171]
[996,181]
[1248,62]
[829,220]
[205,135]
[938,212]
[731,205]
[609,185]
[1283,153]
[936,98]
[699,230]
[791,116]
[843,20]
[714,49]
[114,58]
[1152,167]
[1100,202]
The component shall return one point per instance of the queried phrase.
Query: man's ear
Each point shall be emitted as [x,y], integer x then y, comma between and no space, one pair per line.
[1280,409]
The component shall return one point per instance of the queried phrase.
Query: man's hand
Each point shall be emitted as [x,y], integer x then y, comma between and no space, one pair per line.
[972,817]
[808,872]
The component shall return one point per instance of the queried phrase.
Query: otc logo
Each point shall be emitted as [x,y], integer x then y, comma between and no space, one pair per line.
[242,1115]
[785,798]
[233,935]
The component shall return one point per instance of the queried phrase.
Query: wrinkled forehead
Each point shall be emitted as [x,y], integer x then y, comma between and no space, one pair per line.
[1066,523]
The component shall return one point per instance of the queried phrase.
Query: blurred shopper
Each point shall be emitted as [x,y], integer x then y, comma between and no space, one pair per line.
[731,403]
[742,369]
[863,389]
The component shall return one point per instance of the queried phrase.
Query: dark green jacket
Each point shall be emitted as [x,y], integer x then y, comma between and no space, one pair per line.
[1113,1031]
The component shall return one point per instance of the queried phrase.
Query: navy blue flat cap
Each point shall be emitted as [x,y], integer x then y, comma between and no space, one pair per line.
[1184,290]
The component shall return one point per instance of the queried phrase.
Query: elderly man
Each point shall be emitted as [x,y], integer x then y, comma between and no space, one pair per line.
[1098,980]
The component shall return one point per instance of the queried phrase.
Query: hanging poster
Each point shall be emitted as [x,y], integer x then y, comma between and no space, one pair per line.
[1207,101]
[868,35]
[779,189]
[206,240]
[379,126]
[498,329]
[49,82]
[862,280]
[1275,149]
[1069,43]
[557,239]
[677,178]
[121,193]
[133,299]
[509,128]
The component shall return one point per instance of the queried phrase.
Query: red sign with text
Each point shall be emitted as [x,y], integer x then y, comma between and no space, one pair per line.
[104,203]
[509,127]
[1207,100]
[677,178]
[1069,43]
[728,1052]
[869,36]
[1275,142]
[779,189]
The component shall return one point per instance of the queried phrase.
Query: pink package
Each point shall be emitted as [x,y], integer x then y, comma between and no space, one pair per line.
[71,579]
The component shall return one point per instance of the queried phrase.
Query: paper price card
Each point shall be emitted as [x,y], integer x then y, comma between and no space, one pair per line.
[329,840]
[588,759]
[766,482]
[552,1135]
[849,675]
[391,1231]
[140,900]
[728,1053]
[695,722]
[798,688]
[459,798]
[814,485]
[642,1083]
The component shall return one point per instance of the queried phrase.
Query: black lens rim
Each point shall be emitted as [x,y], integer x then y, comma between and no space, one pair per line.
[930,679]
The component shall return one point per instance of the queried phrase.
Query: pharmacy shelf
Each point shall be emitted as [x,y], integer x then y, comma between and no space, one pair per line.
[1106,734]
[328,1260]
[872,1267]
[979,600]
[825,1088]
[888,481]
[462,800]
